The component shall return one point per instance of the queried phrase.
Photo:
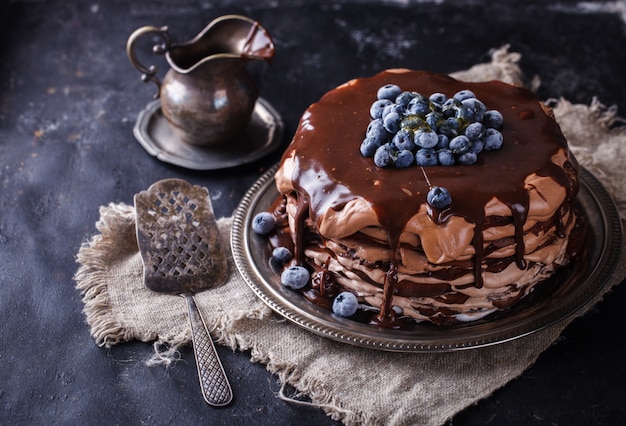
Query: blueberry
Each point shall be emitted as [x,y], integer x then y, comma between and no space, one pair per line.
[438,98]
[426,157]
[474,131]
[418,105]
[376,130]
[473,109]
[376,110]
[382,156]
[463,115]
[443,142]
[493,139]
[464,94]
[432,119]
[450,127]
[493,119]
[439,197]
[411,122]
[403,139]
[369,147]
[388,91]
[450,107]
[459,144]
[426,138]
[282,254]
[445,157]
[386,110]
[276,264]
[295,277]
[263,223]
[392,122]
[405,159]
[403,99]
[345,304]
[467,158]
[477,146]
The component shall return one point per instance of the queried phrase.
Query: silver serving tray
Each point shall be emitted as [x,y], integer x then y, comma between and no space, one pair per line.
[263,135]
[575,287]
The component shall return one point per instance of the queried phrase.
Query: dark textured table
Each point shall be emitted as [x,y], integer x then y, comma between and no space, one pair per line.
[68,102]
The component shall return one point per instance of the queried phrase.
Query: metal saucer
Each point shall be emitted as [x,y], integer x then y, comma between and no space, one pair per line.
[263,135]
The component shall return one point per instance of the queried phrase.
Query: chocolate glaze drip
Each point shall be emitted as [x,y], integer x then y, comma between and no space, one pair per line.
[386,317]
[558,223]
[323,288]
[301,215]
[258,43]
[519,214]
[330,170]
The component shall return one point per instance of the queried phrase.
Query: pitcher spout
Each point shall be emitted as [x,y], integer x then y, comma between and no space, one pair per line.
[258,44]
[229,36]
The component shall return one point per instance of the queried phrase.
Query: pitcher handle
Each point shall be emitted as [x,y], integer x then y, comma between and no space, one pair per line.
[148,73]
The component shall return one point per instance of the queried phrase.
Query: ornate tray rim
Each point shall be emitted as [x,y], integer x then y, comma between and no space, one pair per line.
[604,222]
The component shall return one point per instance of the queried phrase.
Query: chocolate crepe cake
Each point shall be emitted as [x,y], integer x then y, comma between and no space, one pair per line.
[417,197]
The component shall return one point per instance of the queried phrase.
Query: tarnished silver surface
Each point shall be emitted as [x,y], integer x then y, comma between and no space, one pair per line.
[575,287]
[181,252]
[262,135]
[210,90]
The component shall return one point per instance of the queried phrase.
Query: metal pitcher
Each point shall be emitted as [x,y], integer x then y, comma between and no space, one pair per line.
[208,94]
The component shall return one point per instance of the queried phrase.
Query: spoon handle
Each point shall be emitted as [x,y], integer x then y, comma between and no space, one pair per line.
[213,381]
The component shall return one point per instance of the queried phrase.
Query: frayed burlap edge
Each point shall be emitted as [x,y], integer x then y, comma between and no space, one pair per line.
[92,280]
[603,157]
[503,66]
[310,392]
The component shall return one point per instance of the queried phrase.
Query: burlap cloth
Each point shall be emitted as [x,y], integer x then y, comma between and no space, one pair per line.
[354,385]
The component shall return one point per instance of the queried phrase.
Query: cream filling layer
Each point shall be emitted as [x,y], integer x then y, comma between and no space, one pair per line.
[498,287]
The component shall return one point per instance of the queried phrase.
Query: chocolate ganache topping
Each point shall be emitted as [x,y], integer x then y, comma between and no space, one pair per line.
[329,171]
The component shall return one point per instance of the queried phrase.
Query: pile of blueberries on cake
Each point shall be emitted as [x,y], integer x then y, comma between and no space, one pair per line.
[409,129]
